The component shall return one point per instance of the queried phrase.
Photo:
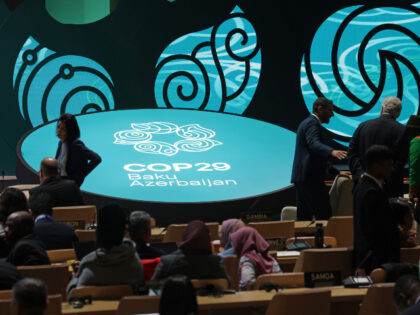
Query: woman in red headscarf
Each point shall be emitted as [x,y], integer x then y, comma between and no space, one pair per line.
[254,259]
[194,257]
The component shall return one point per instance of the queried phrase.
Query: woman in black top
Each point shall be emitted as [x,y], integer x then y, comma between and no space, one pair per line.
[75,160]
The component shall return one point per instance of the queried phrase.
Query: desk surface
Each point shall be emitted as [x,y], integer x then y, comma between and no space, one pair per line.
[238,300]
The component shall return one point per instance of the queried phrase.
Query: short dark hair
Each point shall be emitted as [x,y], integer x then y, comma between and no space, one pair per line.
[139,222]
[178,297]
[31,295]
[406,287]
[377,154]
[111,226]
[72,127]
[12,200]
[40,202]
[321,102]
[49,167]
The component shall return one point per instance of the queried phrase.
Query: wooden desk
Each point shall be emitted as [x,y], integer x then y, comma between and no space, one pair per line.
[344,301]
[157,234]
[310,230]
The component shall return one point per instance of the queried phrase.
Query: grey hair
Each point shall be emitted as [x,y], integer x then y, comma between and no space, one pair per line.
[391,105]
[138,222]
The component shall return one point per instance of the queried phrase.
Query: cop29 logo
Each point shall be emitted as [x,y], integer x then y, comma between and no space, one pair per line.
[359,56]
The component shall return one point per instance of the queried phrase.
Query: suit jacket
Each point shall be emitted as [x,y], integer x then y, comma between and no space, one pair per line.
[375,227]
[384,130]
[80,160]
[9,275]
[147,252]
[27,252]
[412,310]
[311,154]
[64,192]
[54,235]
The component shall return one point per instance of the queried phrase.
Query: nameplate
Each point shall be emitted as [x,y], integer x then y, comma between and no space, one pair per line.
[256,216]
[322,279]
[75,224]
[276,244]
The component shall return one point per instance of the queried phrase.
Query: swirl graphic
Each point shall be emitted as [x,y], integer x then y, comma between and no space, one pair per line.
[194,138]
[215,69]
[49,84]
[359,56]
[198,145]
[195,131]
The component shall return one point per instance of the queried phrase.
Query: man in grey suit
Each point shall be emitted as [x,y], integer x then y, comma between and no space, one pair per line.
[311,163]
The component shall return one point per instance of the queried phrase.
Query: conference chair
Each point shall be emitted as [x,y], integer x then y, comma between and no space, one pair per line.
[379,300]
[410,255]
[288,213]
[231,266]
[149,266]
[274,229]
[314,302]
[85,235]
[326,259]
[75,216]
[61,255]
[329,241]
[53,306]
[103,292]
[54,276]
[220,283]
[283,280]
[341,196]
[138,305]
[342,229]
[6,294]
[175,232]
[378,274]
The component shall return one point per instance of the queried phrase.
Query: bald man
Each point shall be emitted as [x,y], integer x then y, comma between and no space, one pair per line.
[25,250]
[64,192]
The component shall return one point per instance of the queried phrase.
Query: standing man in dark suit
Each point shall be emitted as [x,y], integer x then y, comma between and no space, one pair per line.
[310,164]
[64,192]
[376,238]
[384,130]
[54,235]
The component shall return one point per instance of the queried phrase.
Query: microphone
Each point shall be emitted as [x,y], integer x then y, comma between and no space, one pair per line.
[369,253]
[300,245]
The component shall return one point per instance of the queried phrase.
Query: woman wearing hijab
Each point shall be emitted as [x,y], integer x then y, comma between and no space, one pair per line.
[193,258]
[228,227]
[75,160]
[254,259]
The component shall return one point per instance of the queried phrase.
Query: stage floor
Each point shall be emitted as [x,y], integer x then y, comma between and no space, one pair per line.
[175,156]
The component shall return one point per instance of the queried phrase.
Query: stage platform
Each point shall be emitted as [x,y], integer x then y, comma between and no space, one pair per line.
[177,164]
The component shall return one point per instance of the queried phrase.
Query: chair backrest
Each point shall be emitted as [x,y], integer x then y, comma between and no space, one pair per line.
[378,274]
[274,229]
[61,255]
[283,280]
[85,235]
[220,283]
[288,213]
[55,276]
[175,232]
[326,259]
[149,266]
[231,266]
[328,240]
[410,255]
[6,294]
[379,300]
[138,305]
[314,302]
[53,306]
[341,196]
[342,229]
[103,292]
[72,215]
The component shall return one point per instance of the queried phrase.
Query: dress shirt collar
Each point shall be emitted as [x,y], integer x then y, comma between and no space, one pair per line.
[378,181]
[316,118]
